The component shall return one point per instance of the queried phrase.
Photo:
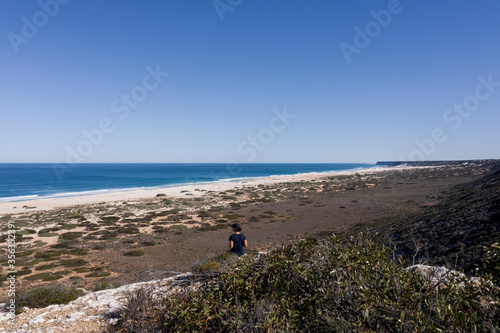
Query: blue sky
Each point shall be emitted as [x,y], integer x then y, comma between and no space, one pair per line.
[236,67]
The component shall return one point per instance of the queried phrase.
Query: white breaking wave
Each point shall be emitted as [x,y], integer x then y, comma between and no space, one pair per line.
[20,198]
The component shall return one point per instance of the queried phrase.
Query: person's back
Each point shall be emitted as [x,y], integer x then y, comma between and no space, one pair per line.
[237,241]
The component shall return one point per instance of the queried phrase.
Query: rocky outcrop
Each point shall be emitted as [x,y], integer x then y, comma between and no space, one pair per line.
[438,276]
[89,313]
[469,163]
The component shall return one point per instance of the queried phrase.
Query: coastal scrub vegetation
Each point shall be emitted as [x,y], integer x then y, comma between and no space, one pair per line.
[322,285]
[452,228]
[43,296]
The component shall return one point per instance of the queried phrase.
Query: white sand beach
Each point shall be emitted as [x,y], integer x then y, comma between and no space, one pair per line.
[19,207]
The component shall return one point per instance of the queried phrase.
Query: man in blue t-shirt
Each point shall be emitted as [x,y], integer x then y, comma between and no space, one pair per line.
[237,241]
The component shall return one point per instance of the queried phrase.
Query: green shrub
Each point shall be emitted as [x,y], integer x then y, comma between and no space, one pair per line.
[81,270]
[49,255]
[177,226]
[43,296]
[25,232]
[138,303]
[169,212]
[6,218]
[232,216]
[324,286]
[45,276]
[70,226]
[134,253]
[158,229]
[253,219]
[71,235]
[44,230]
[128,230]
[45,267]
[24,271]
[64,245]
[209,227]
[39,276]
[98,273]
[48,234]
[77,252]
[110,219]
[209,266]
[73,262]
[25,253]
[491,263]
[219,263]
[105,285]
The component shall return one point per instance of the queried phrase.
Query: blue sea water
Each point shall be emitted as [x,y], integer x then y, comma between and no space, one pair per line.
[32,181]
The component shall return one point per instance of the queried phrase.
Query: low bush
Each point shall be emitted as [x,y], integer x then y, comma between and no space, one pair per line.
[43,296]
[73,262]
[25,232]
[212,227]
[491,263]
[81,270]
[138,305]
[324,286]
[98,273]
[71,235]
[232,216]
[49,255]
[134,253]
[219,263]
[70,226]
[48,234]
[103,285]
[45,267]
[46,276]
[110,219]
[77,252]
[25,253]
[209,266]
[177,226]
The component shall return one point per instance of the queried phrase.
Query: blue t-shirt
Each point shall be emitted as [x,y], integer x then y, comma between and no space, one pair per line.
[238,242]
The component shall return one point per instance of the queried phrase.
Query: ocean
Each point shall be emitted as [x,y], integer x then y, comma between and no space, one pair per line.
[27,181]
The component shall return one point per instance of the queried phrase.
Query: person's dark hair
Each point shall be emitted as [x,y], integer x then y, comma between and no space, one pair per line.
[236,226]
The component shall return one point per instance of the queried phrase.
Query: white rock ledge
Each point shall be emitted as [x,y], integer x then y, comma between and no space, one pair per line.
[88,313]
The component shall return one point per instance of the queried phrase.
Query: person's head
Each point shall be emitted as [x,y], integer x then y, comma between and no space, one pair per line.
[236,227]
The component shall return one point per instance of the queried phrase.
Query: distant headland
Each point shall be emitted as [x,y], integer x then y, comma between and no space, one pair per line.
[489,162]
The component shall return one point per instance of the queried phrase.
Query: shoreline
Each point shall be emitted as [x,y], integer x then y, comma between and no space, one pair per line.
[109,242]
[151,238]
[179,190]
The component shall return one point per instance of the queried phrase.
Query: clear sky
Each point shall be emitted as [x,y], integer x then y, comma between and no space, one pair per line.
[249,80]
